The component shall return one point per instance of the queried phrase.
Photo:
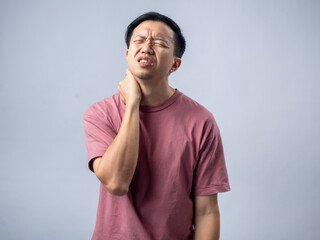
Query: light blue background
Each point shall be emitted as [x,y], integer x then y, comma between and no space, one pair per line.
[253,64]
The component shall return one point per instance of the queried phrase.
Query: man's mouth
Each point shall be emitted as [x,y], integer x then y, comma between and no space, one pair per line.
[145,61]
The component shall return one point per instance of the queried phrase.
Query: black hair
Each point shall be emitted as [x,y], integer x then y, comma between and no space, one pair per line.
[179,41]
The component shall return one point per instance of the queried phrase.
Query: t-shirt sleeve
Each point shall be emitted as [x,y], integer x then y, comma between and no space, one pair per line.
[98,133]
[211,173]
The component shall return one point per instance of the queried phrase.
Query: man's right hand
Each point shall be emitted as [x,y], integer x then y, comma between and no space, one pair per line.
[129,90]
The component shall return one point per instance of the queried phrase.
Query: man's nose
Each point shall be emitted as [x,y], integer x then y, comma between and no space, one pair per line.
[147,47]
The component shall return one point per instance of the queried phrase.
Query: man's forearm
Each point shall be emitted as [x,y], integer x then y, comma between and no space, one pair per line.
[116,167]
[207,227]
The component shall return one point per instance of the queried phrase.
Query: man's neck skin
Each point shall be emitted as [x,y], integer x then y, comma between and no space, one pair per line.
[154,92]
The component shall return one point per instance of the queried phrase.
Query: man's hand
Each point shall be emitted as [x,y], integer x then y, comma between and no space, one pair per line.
[129,89]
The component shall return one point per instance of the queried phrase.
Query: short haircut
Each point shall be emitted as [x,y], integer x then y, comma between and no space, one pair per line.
[179,41]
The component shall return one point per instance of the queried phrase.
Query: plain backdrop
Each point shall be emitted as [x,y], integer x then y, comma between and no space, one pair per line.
[253,64]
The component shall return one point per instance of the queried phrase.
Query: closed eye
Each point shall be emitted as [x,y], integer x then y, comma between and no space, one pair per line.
[159,43]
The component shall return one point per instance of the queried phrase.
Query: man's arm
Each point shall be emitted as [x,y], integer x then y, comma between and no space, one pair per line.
[116,167]
[207,218]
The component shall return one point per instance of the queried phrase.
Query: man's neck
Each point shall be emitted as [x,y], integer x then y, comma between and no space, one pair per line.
[155,92]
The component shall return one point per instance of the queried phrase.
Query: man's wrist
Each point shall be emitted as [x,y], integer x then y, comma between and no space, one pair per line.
[133,105]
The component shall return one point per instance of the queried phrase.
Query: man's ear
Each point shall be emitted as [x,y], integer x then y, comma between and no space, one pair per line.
[127,52]
[176,64]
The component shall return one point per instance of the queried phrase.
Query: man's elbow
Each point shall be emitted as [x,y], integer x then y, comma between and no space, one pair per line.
[116,189]
[114,186]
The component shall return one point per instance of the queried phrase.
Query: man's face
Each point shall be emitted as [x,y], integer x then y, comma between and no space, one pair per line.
[151,51]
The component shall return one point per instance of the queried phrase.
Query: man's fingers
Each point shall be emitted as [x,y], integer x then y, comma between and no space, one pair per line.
[129,88]
[128,72]
[129,75]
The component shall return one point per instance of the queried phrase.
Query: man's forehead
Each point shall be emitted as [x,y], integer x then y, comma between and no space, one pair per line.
[156,28]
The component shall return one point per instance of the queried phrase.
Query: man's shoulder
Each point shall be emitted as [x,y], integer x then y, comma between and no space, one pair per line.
[199,115]
[194,107]
[104,106]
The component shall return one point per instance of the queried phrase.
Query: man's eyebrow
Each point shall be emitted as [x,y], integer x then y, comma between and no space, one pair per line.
[141,36]
[156,38]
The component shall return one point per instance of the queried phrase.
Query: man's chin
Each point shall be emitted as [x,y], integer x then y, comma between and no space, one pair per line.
[144,76]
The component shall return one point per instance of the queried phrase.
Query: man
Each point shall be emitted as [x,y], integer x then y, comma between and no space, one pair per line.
[157,153]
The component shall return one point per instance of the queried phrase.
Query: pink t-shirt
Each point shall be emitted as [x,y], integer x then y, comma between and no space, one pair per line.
[180,156]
